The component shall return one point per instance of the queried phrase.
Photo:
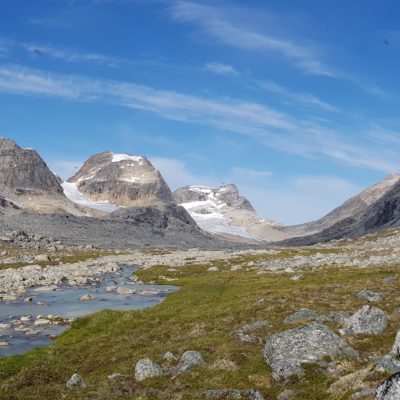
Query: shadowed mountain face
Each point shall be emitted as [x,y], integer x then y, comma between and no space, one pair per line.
[121,179]
[349,209]
[384,213]
[22,171]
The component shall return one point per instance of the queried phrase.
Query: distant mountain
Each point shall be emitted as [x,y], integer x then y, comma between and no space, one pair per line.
[348,209]
[223,211]
[108,180]
[378,208]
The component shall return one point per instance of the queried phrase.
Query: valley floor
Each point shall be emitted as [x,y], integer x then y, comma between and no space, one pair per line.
[221,293]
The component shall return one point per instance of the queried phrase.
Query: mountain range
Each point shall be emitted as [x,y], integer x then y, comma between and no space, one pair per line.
[122,199]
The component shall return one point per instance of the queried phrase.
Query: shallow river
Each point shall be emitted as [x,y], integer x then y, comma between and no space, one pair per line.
[66,303]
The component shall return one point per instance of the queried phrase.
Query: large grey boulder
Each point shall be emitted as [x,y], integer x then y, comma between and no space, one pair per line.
[367,320]
[389,389]
[146,368]
[285,352]
[189,360]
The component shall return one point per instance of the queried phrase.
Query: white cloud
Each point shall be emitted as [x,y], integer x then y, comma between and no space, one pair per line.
[249,173]
[269,127]
[215,23]
[73,56]
[305,99]
[221,69]
[176,173]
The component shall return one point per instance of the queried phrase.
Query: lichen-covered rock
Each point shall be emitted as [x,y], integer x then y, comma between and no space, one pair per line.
[396,346]
[75,382]
[285,352]
[146,368]
[368,319]
[189,360]
[369,295]
[389,389]
[388,364]
[233,394]
[304,314]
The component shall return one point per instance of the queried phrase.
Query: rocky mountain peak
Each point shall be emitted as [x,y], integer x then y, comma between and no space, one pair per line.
[120,179]
[225,196]
[23,171]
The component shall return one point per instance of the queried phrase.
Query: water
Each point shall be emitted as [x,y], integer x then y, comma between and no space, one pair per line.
[66,303]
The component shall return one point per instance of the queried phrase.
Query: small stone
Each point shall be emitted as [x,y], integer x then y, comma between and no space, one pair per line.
[125,291]
[170,357]
[114,377]
[189,360]
[42,258]
[86,297]
[286,395]
[213,269]
[146,368]
[76,382]
[304,314]
[369,295]
[42,322]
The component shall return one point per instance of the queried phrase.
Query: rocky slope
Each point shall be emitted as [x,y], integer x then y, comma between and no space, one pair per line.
[120,180]
[27,182]
[384,213]
[348,209]
[223,211]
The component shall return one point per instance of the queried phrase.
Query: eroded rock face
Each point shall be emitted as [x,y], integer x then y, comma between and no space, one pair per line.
[22,171]
[121,179]
[285,352]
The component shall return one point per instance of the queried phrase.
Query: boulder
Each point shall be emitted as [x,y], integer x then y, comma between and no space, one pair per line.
[233,394]
[389,389]
[146,368]
[367,320]
[76,382]
[189,360]
[369,295]
[304,314]
[284,352]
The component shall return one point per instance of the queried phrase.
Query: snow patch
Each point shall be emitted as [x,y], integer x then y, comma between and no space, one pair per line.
[126,157]
[72,193]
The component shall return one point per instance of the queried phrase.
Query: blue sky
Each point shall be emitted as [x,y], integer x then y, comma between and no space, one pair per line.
[295,102]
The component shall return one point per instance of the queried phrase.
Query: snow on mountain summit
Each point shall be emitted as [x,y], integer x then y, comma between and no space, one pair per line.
[119,179]
[220,210]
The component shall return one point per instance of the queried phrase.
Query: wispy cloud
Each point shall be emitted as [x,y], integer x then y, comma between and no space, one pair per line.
[304,99]
[73,56]
[250,173]
[221,69]
[177,174]
[269,127]
[216,24]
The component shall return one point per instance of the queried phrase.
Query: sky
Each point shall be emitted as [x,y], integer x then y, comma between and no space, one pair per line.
[296,102]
